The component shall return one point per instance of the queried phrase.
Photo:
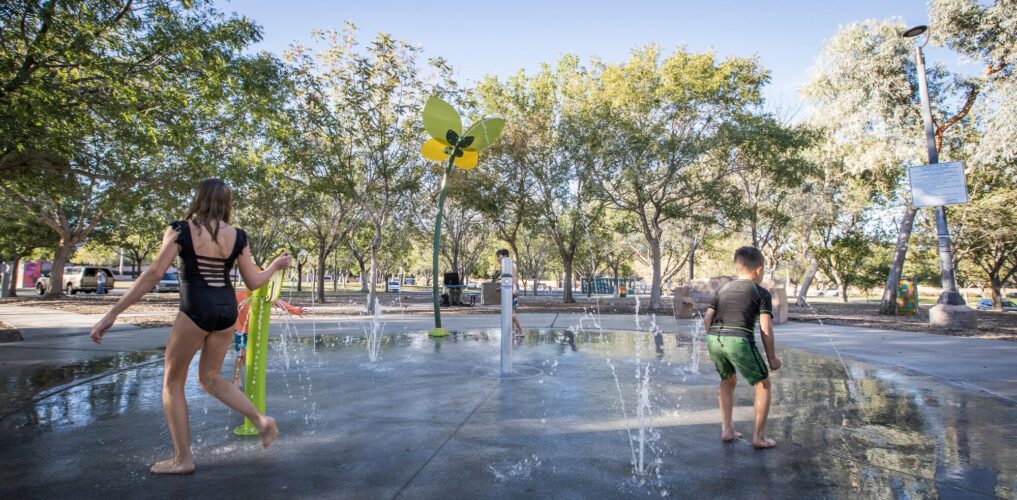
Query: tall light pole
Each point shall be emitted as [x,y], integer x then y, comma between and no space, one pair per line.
[950,294]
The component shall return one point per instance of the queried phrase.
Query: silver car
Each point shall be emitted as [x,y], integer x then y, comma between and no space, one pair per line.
[169,283]
[986,305]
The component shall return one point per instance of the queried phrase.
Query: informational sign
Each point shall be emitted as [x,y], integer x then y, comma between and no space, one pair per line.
[938,184]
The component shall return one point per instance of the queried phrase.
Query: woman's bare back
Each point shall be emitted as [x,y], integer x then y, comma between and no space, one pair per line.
[204,246]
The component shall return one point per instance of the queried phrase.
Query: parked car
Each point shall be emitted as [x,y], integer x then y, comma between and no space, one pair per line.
[986,305]
[170,282]
[77,279]
[42,284]
[393,285]
[410,281]
[829,292]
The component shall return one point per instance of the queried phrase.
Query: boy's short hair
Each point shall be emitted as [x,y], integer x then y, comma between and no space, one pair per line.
[748,258]
[502,252]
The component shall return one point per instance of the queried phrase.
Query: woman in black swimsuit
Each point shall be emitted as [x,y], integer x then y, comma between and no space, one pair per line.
[208,248]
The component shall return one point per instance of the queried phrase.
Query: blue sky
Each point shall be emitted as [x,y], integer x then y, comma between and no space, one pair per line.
[498,38]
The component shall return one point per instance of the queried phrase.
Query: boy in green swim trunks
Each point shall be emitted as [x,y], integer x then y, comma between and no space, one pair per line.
[730,325]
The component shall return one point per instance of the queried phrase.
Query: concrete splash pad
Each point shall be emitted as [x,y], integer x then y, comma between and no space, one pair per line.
[420,423]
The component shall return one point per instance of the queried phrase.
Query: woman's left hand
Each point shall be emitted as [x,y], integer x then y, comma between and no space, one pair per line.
[102,327]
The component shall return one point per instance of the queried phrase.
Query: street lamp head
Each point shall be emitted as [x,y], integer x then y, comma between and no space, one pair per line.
[915,31]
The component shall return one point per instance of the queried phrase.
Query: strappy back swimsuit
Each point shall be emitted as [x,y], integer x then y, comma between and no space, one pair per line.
[206,292]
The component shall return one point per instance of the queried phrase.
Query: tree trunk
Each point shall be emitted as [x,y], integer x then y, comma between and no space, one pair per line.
[843,292]
[888,304]
[56,273]
[373,283]
[567,297]
[363,275]
[13,290]
[810,274]
[320,275]
[617,284]
[372,289]
[655,285]
[997,293]
[692,264]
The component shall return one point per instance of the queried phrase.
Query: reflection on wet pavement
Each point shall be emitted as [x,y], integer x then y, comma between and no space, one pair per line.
[347,421]
[21,387]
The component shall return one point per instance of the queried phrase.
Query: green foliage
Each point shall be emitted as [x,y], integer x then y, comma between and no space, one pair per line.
[103,102]
[665,125]
[20,232]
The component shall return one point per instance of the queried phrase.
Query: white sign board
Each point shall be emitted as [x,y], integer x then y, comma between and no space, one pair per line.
[938,184]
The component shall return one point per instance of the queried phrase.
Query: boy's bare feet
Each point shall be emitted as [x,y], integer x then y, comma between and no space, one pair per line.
[729,435]
[763,443]
[268,431]
[172,466]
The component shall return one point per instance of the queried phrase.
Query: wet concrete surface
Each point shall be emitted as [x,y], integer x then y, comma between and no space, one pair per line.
[420,424]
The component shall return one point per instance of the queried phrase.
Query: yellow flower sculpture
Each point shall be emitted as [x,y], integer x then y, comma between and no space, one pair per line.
[449,143]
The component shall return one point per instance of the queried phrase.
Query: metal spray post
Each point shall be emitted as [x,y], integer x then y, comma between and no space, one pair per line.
[506,316]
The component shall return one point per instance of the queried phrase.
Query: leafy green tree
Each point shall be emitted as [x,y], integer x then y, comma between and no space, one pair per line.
[550,126]
[772,171]
[842,249]
[533,257]
[865,90]
[20,235]
[984,233]
[315,138]
[264,208]
[380,87]
[502,188]
[464,239]
[662,122]
[104,101]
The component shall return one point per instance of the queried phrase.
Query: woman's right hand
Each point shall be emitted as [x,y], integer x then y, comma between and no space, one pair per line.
[282,262]
[101,328]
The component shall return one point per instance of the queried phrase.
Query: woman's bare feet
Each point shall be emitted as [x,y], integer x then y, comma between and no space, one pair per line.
[172,466]
[729,435]
[268,431]
[763,443]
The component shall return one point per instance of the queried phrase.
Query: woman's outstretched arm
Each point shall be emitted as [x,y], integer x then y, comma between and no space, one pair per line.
[142,285]
[254,277]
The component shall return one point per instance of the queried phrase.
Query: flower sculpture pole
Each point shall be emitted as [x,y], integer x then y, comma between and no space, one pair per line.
[449,144]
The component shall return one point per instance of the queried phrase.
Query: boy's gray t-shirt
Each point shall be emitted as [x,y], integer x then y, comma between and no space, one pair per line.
[738,304]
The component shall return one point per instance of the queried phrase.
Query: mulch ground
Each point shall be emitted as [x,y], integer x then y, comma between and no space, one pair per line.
[159,310]
[991,324]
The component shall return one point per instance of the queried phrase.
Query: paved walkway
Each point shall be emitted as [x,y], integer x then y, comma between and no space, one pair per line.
[989,366]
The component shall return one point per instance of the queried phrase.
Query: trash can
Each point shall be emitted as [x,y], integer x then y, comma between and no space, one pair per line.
[490,293]
[683,305]
[780,306]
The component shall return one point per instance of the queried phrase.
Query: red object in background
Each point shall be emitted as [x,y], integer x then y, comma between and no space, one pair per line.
[30,273]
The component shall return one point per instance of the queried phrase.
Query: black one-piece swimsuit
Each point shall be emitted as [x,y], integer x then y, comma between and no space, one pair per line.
[206,292]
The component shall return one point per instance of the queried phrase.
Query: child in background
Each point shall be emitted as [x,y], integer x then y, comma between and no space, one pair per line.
[240,335]
[730,325]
